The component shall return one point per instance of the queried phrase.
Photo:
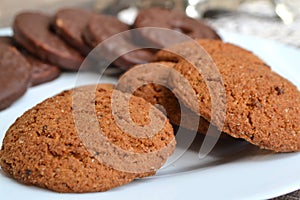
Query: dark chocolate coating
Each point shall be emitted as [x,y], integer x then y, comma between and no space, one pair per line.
[41,72]
[31,31]
[174,20]
[69,23]
[14,76]
[101,27]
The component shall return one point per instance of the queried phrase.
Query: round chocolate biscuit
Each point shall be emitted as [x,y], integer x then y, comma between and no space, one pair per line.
[102,27]
[41,72]
[261,106]
[15,75]
[32,32]
[71,142]
[170,19]
[69,24]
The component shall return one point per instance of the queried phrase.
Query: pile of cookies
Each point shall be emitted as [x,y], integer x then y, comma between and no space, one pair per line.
[259,105]
[94,138]
[49,44]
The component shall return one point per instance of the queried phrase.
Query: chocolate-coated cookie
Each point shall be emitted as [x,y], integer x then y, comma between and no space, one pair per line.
[69,23]
[77,141]
[31,31]
[102,27]
[15,74]
[173,20]
[41,72]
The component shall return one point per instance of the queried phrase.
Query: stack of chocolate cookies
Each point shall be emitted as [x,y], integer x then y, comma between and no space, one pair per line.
[51,44]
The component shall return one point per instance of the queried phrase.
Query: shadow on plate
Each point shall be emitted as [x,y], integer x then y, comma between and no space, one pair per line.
[227,150]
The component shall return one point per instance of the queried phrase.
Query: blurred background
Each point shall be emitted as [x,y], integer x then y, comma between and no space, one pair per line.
[9,8]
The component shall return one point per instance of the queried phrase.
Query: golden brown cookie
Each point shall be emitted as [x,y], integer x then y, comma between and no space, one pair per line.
[260,106]
[225,50]
[76,141]
[159,94]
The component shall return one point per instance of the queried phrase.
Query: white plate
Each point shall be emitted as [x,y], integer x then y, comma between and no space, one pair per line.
[233,170]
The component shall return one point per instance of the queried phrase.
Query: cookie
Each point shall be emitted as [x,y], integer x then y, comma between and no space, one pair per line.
[159,94]
[15,74]
[41,72]
[31,31]
[173,20]
[69,24]
[260,106]
[76,141]
[102,27]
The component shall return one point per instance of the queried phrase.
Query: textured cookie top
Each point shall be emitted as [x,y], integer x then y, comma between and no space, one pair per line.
[150,81]
[261,106]
[57,144]
[212,47]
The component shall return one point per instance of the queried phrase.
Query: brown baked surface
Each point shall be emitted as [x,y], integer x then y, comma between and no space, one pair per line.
[43,148]
[261,106]
[161,96]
